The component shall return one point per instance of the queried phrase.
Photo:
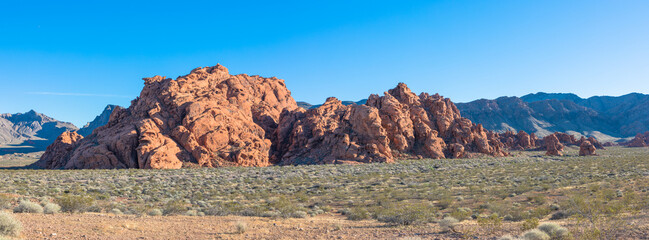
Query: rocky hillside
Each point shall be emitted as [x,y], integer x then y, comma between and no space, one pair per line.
[99,121]
[29,132]
[606,118]
[211,118]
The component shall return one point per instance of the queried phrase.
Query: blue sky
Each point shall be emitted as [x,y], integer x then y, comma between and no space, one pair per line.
[69,59]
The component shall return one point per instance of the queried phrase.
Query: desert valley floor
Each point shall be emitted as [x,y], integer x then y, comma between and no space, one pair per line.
[601,196]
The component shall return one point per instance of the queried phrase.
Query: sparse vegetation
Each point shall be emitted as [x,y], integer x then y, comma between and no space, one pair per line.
[28,207]
[9,226]
[51,208]
[596,195]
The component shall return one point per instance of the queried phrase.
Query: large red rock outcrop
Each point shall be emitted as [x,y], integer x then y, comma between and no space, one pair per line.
[640,140]
[586,149]
[553,145]
[399,124]
[208,117]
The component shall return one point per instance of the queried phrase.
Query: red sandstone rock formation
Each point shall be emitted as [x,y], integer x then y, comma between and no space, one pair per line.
[586,148]
[565,138]
[208,117]
[553,145]
[399,124]
[640,140]
[211,118]
[518,141]
[59,150]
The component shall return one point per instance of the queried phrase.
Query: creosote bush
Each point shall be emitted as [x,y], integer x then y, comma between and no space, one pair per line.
[448,224]
[535,234]
[357,213]
[74,203]
[51,208]
[26,206]
[9,226]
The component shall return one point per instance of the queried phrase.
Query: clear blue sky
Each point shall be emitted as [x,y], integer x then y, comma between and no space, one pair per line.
[69,59]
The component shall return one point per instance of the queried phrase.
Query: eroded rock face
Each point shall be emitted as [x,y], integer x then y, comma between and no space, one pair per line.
[640,140]
[552,145]
[587,149]
[59,150]
[208,117]
[399,124]
[518,141]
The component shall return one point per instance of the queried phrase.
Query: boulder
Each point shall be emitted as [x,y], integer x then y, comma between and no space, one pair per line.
[553,145]
[587,149]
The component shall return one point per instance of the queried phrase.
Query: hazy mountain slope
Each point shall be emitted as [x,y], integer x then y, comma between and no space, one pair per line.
[99,121]
[30,131]
[605,117]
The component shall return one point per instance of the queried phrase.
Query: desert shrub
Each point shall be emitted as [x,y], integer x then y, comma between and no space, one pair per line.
[9,226]
[448,224]
[240,227]
[155,212]
[530,223]
[74,203]
[411,214]
[357,213]
[191,213]
[5,201]
[461,214]
[535,234]
[507,237]
[28,207]
[555,231]
[174,207]
[491,223]
[51,208]
[299,214]
[116,211]
[271,214]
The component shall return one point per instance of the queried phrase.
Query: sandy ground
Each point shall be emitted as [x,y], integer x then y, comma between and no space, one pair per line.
[109,226]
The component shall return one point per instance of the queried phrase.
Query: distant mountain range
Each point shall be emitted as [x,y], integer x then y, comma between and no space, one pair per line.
[606,118]
[29,132]
[33,132]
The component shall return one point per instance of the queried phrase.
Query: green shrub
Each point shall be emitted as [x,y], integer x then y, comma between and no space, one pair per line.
[555,231]
[535,234]
[28,207]
[357,213]
[5,201]
[411,214]
[299,214]
[75,203]
[448,224]
[491,223]
[155,212]
[529,224]
[9,226]
[51,208]
[116,211]
[174,208]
